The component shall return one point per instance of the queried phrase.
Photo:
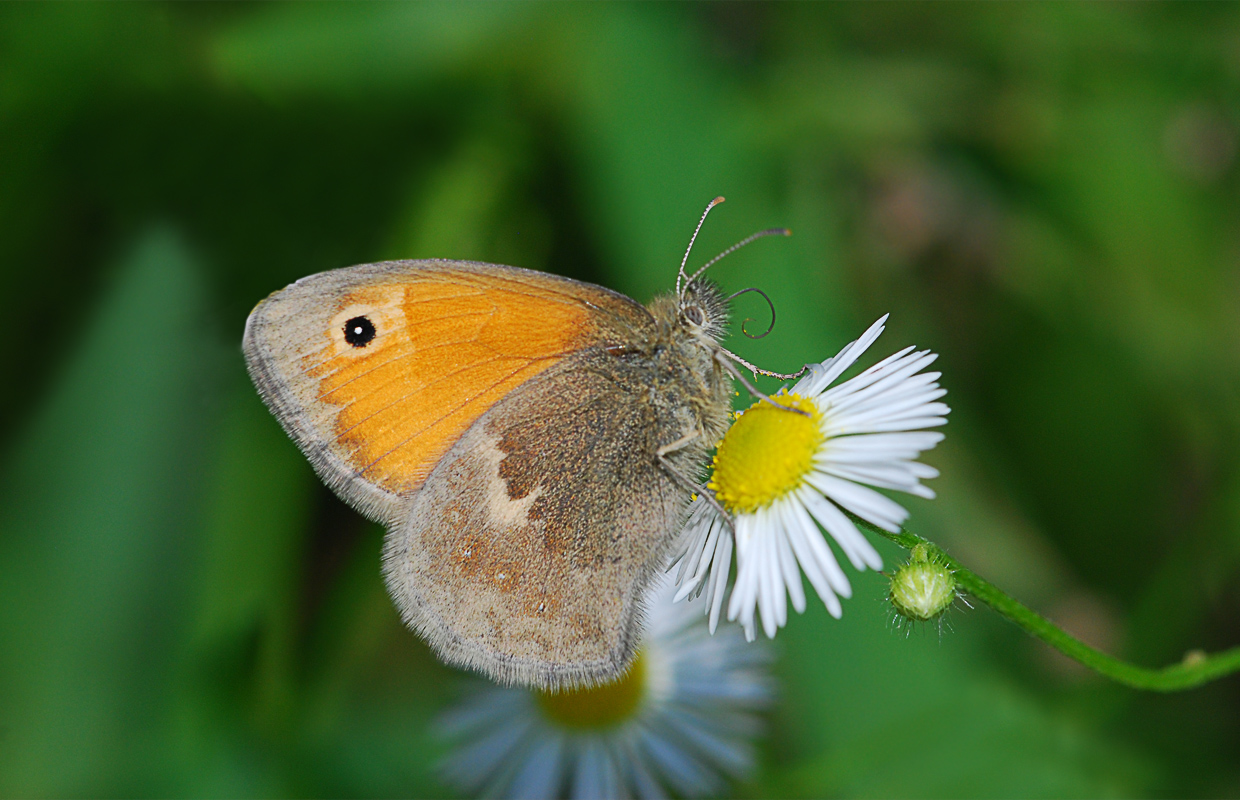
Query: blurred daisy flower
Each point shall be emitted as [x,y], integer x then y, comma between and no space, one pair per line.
[781,476]
[681,722]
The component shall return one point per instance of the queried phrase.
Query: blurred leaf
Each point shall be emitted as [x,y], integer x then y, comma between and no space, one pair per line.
[470,208]
[981,739]
[98,505]
[346,49]
[56,64]
[240,673]
[375,687]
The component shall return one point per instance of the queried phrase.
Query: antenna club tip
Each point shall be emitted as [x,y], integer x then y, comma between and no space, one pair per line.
[785,231]
[716,201]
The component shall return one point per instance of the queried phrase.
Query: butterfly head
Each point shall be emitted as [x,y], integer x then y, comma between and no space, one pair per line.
[702,313]
[702,308]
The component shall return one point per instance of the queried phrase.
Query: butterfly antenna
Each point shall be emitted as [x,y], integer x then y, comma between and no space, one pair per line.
[730,250]
[769,304]
[680,275]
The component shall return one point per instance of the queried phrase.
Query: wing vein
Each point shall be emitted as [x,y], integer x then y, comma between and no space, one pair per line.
[438,421]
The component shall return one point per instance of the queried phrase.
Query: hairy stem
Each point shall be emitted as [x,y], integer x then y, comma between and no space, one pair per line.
[1196,668]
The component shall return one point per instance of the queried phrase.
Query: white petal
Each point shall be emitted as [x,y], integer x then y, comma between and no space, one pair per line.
[643,781]
[834,367]
[540,774]
[801,529]
[860,552]
[596,775]
[907,401]
[768,579]
[865,379]
[874,382]
[865,503]
[912,423]
[745,592]
[890,476]
[701,558]
[722,565]
[788,565]
[676,763]
[811,382]
[822,552]
[881,446]
[475,764]
[694,535]
[923,471]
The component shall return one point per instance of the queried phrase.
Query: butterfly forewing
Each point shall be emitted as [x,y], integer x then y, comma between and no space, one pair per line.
[377,370]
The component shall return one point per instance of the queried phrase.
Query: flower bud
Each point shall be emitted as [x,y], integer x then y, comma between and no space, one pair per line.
[923,588]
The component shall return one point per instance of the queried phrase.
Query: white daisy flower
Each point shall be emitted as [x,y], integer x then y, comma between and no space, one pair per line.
[681,722]
[781,476]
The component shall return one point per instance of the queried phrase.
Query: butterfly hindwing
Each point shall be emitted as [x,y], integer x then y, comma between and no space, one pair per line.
[528,550]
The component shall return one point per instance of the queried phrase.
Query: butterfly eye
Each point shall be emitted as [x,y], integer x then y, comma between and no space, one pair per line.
[694,314]
[359,331]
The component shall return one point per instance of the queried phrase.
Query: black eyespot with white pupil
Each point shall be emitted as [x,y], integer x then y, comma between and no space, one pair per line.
[359,331]
[694,314]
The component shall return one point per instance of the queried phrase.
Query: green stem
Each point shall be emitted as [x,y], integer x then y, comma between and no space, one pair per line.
[1196,668]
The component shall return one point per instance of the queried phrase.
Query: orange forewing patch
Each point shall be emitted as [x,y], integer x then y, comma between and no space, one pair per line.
[447,347]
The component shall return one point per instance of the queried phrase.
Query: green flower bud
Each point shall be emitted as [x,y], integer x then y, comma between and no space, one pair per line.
[923,588]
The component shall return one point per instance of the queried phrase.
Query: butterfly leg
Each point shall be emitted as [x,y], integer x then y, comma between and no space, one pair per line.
[731,369]
[685,480]
[679,444]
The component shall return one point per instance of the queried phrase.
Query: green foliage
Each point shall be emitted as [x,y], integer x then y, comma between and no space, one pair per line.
[1046,194]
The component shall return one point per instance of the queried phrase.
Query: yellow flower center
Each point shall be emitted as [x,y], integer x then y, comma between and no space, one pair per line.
[766,453]
[599,706]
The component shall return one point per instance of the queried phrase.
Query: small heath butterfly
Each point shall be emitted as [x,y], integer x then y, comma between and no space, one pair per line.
[530,443]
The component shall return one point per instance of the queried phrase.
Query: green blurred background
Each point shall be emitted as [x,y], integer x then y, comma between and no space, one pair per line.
[1045,194]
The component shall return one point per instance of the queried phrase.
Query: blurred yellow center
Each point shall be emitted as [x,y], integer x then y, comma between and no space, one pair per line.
[766,453]
[598,707]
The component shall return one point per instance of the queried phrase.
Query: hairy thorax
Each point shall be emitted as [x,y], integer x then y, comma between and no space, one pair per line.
[690,393]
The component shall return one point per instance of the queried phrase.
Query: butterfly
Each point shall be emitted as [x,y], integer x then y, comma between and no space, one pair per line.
[530,442]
